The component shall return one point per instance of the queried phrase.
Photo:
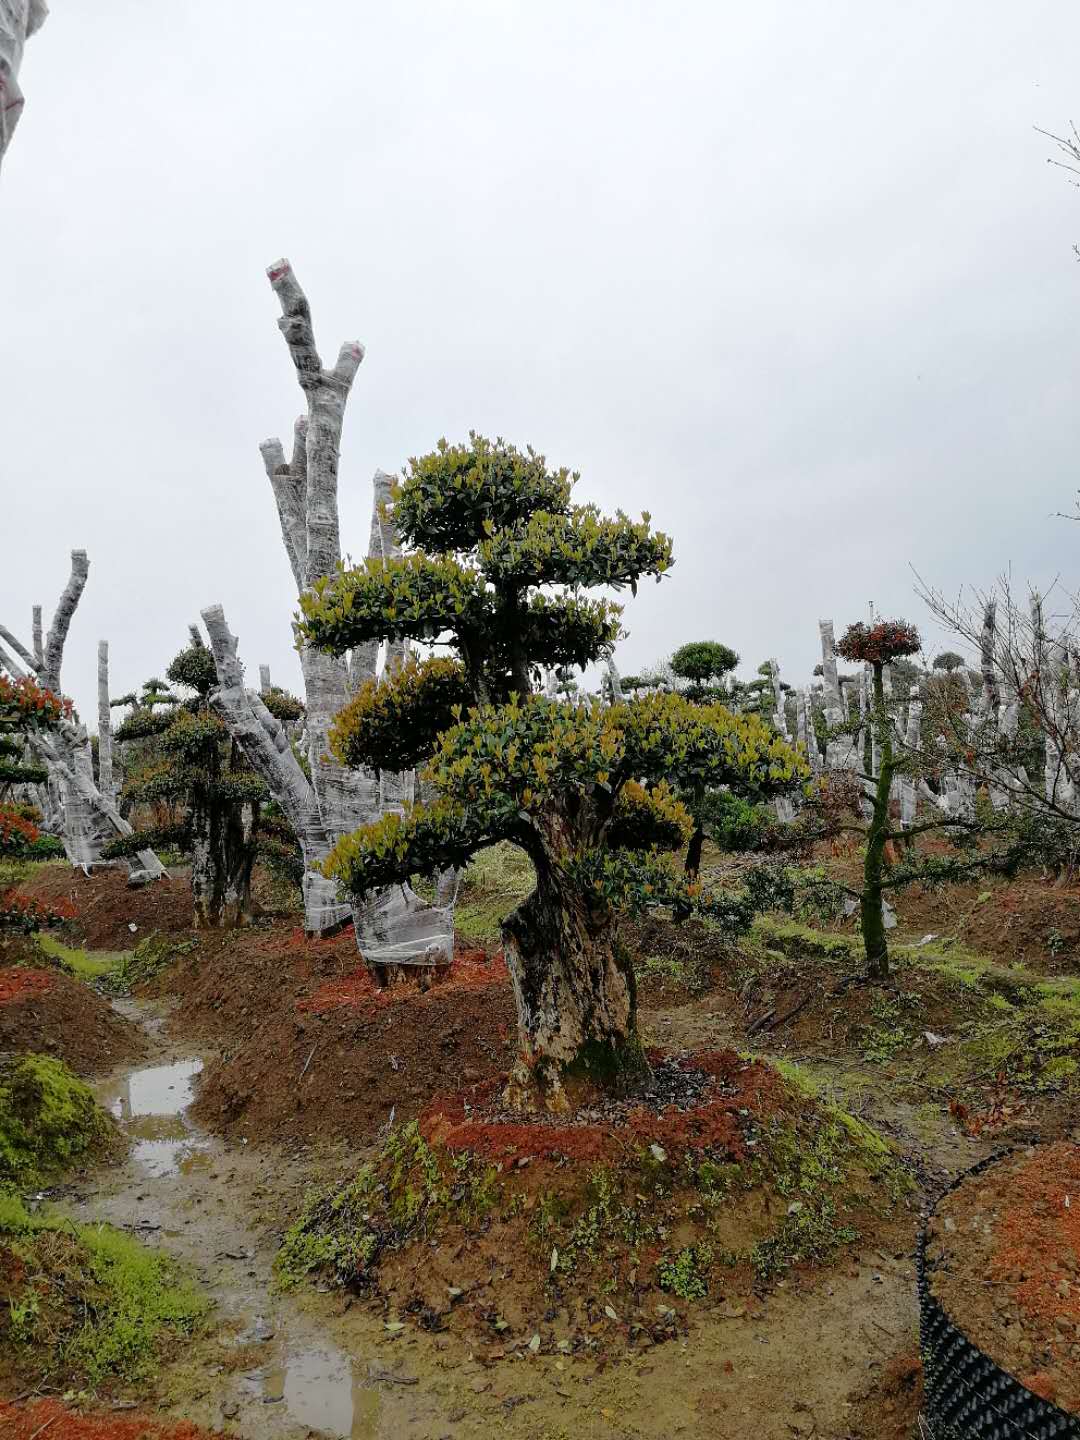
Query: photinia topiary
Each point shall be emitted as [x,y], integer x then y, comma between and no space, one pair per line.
[879,643]
[25,706]
[586,790]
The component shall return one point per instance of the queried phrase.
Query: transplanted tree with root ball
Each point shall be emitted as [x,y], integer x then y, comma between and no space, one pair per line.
[499,556]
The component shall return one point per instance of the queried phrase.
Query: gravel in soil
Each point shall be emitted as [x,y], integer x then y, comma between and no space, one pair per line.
[1004,1262]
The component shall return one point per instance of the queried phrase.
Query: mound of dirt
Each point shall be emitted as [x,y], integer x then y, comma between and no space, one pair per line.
[598,1229]
[46,1012]
[24,1422]
[105,906]
[1004,1261]
[312,1050]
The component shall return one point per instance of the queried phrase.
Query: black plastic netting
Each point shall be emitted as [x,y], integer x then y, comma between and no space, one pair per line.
[968,1396]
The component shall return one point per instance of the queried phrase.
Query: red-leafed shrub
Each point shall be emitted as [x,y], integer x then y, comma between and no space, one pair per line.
[22,912]
[885,641]
[27,702]
[17,834]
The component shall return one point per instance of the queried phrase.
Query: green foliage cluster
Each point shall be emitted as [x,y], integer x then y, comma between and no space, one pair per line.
[194,780]
[703,663]
[489,527]
[282,705]
[48,1119]
[95,1304]
[387,726]
[735,824]
[496,773]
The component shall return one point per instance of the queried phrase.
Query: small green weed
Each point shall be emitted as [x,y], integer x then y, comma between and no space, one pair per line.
[686,1275]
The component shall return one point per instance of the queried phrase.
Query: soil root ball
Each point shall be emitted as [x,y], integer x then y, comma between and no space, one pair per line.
[999,1298]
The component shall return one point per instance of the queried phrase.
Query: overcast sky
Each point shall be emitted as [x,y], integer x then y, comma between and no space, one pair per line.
[795,277]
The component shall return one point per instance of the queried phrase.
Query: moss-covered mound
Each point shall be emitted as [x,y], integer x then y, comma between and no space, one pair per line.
[84,1303]
[597,1230]
[48,1119]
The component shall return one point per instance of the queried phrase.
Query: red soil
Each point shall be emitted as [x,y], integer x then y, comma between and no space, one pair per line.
[1005,1264]
[19,984]
[1039,1237]
[50,1418]
[715,1123]
[470,970]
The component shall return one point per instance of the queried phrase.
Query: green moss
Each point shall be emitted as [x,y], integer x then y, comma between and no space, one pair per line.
[686,1274]
[96,1301]
[84,964]
[795,940]
[1027,1030]
[48,1118]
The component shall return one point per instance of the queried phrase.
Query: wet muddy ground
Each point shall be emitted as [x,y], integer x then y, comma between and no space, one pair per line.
[240,1097]
[306,1364]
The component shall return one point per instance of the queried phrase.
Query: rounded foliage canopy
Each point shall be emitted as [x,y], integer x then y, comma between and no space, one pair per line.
[879,643]
[703,660]
[501,553]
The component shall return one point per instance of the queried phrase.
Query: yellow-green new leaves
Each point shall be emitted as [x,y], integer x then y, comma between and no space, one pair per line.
[580,547]
[528,748]
[506,770]
[498,533]
[399,846]
[456,496]
[393,725]
[648,819]
[416,595]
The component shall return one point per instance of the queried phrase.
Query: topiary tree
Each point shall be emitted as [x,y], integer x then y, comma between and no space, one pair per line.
[189,766]
[980,843]
[948,661]
[703,664]
[585,789]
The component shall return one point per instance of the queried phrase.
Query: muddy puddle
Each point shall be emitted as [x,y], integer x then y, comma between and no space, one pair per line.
[276,1370]
[150,1104]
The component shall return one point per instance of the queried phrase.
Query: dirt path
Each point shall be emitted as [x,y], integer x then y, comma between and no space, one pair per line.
[277,1371]
[312,1364]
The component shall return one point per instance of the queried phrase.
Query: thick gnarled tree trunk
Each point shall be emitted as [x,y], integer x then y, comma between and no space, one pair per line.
[573,983]
[574,990]
[222,860]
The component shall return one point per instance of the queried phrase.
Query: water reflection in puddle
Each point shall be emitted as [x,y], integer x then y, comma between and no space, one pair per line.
[321,1388]
[149,1106]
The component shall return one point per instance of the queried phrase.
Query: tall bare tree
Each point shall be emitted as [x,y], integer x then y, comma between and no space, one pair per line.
[395,926]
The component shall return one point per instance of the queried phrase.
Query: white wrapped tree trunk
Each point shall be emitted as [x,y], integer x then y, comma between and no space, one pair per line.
[87,817]
[18,21]
[841,752]
[105,762]
[394,927]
